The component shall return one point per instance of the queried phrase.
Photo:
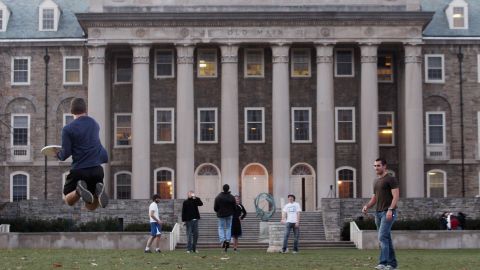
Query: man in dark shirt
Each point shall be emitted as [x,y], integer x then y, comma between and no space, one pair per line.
[224,206]
[191,215]
[80,139]
[385,196]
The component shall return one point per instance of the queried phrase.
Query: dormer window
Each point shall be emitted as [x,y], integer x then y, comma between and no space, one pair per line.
[457,14]
[49,15]
[4,16]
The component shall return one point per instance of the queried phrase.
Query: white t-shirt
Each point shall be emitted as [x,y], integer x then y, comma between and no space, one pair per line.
[153,207]
[292,209]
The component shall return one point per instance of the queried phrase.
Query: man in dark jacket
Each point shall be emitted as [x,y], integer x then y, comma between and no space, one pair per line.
[225,207]
[190,216]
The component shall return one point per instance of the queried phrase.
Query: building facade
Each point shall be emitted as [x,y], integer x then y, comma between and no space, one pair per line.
[285,97]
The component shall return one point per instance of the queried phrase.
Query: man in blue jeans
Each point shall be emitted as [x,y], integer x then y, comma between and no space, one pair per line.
[191,215]
[291,219]
[385,196]
[224,206]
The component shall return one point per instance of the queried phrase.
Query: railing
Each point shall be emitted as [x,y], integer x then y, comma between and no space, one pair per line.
[438,152]
[20,153]
[174,236]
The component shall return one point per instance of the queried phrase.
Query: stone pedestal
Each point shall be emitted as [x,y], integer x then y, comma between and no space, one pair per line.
[275,231]
[263,233]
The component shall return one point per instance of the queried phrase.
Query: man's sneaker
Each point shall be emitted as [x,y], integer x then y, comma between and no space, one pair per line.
[188,251]
[295,252]
[283,251]
[389,267]
[101,195]
[196,251]
[83,192]
[147,251]
[224,244]
[227,245]
[158,251]
[381,267]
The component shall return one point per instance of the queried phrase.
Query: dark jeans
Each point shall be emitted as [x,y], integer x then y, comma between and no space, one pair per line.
[296,234]
[192,234]
[384,227]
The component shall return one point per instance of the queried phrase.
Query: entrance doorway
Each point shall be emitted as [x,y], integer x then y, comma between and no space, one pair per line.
[254,182]
[207,186]
[302,172]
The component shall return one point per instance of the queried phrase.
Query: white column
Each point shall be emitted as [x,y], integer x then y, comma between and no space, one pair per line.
[185,121]
[325,122]
[229,118]
[369,116]
[413,109]
[141,175]
[280,123]
[97,99]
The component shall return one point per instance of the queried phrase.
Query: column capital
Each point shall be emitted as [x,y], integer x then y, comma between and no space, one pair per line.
[185,53]
[229,53]
[96,54]
[324,53]
[368,53]
[280,53]
[413,53]
[141,54]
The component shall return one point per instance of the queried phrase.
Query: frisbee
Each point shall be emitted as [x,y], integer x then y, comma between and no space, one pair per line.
[51,150]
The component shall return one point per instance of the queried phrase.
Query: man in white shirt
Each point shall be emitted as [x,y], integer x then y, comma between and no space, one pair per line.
[155,224]
[291,219]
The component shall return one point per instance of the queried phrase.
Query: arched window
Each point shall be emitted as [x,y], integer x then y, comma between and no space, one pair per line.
[164,183]
[346,182]
[301,169]
[436,184]
[19,186]
[123,185]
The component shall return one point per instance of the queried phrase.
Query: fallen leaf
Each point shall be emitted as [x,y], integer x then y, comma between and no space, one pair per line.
[57,265]
[94,264]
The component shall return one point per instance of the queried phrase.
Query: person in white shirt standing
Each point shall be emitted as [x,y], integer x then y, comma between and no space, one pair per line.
[291,219]
[155,224]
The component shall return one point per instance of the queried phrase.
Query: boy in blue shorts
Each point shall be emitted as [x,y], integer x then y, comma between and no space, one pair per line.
[155,224]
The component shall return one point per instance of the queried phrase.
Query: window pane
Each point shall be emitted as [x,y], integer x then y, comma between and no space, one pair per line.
[254,62]
[254,115]
[207,126]
[345,131]
[124,130]
[435,119]
[385,68]
[207,63]
[344,60]
[164,126]
[20,70]
[72,76]
[436,184]
[20,130]
[72,63]
[19,187]
[48,19]
[436,135]
[301,125]
[458,17]
[124,188]
[124,69]
[254,131]
[434,62]
[164,184]
[164,63]
[385,129]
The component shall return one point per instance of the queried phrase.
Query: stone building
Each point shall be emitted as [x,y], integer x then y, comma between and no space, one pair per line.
[264,97]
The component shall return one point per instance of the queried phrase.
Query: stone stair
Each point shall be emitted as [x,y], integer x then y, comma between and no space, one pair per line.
[312,234]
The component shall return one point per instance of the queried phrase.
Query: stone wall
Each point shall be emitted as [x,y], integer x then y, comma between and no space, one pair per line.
[131,211]
[338,211]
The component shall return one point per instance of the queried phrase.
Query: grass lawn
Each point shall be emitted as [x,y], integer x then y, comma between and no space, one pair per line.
[245,259]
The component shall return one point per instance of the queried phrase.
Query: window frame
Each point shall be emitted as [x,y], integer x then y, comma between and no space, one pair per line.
[245,65]
[352,63]
[444,181]
[392,114]
[292,62]
[203,50]
[115,143]
[337,140]
[80,70]
[155,75]
[41,19]
[155,180]
[246,109]
[11,183]
[13,126]
[444,132]
[427,79]
[12,72]
[354,181]
[116,184]
[172,110]
[387,54]
[116,70]
[309,109]
[199,137]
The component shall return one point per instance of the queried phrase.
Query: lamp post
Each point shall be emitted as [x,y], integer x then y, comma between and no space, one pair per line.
[46,58]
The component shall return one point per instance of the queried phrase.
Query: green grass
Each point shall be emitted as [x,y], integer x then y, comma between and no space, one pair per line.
[245,259]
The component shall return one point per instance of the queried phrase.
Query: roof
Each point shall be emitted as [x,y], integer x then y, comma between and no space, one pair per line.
[23,22]
[438,27]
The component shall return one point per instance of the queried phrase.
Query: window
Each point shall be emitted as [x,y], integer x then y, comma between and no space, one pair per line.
[207,63]
[207,125]
[164,64]
[458,17]
[123,186]
[385,68]
[72,70]
[123,130]
[20,129]
[436,128]
[1,20]
[301,125]
[457,14]
[19,186]
[4,16]
[164,183]
[346,182]
[344,63]
[301,65]
[67,118]
[386,129]
[345,124]
[123,70]
[164,125]
[434,68]
[478,67]
[436,181]
[48,19]
[254,125]
[21,71]
[254,63]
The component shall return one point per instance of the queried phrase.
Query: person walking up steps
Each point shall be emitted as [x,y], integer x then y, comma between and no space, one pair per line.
[224,206]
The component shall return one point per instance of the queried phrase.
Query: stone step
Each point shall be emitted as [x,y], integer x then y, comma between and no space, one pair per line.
[256,245]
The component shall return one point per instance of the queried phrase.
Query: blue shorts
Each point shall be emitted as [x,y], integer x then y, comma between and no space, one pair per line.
[155,229]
